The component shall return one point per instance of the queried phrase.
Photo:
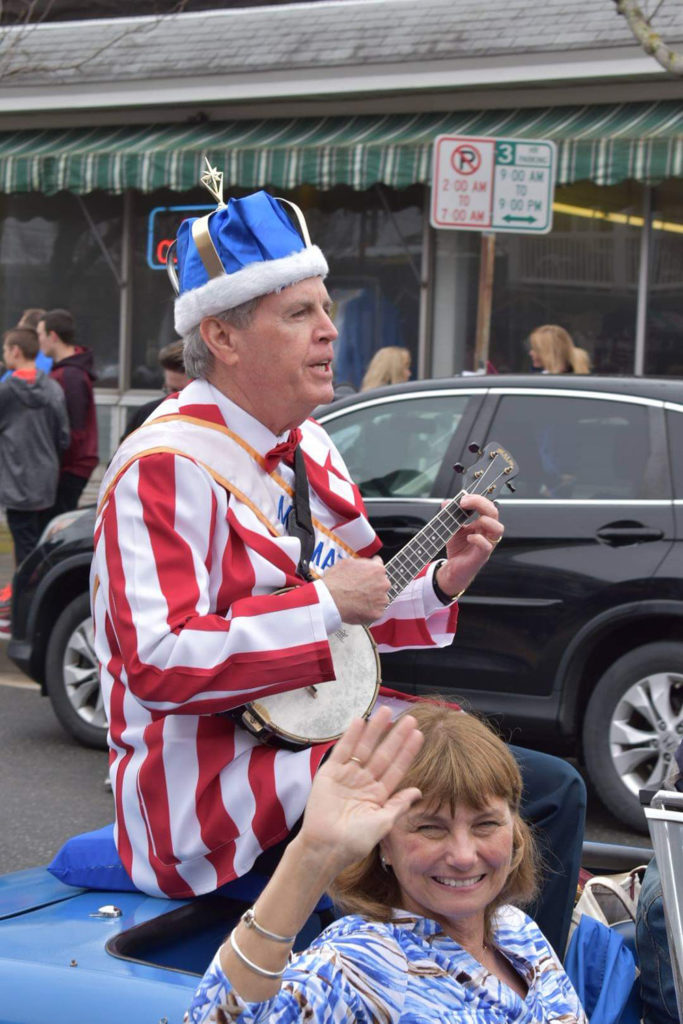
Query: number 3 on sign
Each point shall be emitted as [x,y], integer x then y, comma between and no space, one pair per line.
[505,153]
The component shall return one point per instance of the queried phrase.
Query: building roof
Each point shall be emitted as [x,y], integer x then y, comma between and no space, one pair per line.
[368,45]
[334,34]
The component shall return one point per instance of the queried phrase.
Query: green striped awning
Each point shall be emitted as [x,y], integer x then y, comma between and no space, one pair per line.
[605,144]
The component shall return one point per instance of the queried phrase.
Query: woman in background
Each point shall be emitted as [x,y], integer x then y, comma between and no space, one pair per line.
[389,365]
[553,351]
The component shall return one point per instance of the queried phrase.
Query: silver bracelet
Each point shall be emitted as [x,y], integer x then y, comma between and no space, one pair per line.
[251,922]
[250,963]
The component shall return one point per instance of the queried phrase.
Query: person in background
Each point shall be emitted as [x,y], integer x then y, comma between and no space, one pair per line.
[430,876]
[553,351]
[73,370]
[34,430]
[389,365]
[30,318]
[175,379]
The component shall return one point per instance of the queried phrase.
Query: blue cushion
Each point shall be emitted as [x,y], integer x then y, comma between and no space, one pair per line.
[91,860]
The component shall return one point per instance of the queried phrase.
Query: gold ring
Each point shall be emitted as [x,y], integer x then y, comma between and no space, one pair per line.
[356,760]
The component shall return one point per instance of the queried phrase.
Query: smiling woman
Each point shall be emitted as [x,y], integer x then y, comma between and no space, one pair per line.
[427,875]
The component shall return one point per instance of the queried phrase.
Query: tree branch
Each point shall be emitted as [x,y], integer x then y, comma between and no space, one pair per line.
[650,40]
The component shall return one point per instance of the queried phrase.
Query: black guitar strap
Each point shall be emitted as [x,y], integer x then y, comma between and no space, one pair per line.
[299,522]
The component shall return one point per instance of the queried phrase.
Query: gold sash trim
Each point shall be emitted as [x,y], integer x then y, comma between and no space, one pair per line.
[228,485]
[212,472]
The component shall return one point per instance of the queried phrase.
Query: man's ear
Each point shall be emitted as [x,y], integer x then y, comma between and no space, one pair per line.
[220,339]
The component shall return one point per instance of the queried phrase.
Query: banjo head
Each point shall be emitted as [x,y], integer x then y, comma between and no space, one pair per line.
[320,713]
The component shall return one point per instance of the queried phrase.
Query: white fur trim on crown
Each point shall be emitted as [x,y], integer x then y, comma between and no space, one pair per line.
[255,279]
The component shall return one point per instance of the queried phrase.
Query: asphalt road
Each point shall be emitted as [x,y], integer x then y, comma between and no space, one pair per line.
[52,788]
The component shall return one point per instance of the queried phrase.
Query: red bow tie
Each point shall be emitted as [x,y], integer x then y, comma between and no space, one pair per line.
[283,452]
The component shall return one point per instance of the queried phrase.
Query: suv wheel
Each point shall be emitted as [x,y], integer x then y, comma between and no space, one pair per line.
[72,675]
[633,725]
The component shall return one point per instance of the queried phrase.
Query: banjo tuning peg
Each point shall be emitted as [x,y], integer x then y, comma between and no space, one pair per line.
[459,468]
[474,448]
[509,485]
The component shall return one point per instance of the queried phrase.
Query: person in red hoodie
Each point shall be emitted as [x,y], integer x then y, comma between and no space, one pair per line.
[73,369]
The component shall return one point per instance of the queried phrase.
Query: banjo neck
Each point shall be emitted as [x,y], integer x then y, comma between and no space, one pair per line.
[421,549]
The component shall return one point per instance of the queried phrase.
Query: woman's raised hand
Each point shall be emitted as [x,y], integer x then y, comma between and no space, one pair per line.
[355,799]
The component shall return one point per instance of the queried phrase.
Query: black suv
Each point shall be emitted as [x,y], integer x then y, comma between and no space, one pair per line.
[572,636]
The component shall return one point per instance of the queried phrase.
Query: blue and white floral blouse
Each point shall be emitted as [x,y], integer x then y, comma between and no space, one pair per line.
[407,971]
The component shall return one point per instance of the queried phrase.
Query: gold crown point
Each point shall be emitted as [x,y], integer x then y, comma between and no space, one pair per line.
[212,180]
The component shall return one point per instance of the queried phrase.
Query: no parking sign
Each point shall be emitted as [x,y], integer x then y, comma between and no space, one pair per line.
[493,184]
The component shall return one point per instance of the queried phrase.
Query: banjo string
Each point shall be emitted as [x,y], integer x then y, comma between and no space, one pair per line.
[405,565]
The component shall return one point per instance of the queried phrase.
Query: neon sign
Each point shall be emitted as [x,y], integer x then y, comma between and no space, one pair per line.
[162,227]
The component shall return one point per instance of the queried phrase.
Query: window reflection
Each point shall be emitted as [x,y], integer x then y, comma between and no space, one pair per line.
[395,449]
[582,276]
[664,333]
[580,448]
[50,257]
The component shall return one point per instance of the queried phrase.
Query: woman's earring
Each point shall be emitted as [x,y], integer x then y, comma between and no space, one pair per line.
[384,862]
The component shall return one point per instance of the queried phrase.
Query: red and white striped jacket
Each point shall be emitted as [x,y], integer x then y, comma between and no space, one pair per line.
[188,624]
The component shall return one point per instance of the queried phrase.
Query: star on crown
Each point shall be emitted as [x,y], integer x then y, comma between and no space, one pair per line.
[212,180]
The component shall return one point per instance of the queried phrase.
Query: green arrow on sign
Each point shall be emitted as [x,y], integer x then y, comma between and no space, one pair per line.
[527,220]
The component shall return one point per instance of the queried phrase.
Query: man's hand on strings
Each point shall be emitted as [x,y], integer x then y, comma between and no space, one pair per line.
[472,545]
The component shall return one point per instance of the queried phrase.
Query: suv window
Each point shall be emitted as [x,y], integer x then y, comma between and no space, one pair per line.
[674,421]
[395,449]
[578,448]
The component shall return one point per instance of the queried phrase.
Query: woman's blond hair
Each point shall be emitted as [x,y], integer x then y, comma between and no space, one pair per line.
[462,761]
[557,352]
[387,366]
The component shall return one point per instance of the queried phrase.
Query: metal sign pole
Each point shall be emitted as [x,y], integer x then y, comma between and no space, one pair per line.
[665,821]
[485,301]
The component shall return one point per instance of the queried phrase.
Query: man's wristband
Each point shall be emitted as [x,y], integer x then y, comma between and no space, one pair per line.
[441,594]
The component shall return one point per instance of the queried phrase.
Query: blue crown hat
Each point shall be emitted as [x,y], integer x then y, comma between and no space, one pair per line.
[242,250]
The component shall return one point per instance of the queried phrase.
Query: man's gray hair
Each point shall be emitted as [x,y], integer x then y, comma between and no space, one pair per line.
[199,360]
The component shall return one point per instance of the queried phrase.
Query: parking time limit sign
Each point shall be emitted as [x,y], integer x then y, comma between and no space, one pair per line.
[492,184]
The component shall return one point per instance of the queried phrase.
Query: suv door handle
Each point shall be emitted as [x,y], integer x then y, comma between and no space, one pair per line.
[626,532]
[401,526]
[401,531]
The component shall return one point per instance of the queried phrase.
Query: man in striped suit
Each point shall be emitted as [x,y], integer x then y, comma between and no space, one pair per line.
[192,555]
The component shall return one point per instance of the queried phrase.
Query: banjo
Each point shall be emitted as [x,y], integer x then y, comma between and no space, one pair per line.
[321,713]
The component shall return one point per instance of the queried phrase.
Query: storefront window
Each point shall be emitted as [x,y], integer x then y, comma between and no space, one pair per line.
[664,329]
[373,244]
[156,219]
[583,275]
[50,257]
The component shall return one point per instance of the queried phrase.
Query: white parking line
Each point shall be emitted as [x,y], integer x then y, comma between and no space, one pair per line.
[18,681]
